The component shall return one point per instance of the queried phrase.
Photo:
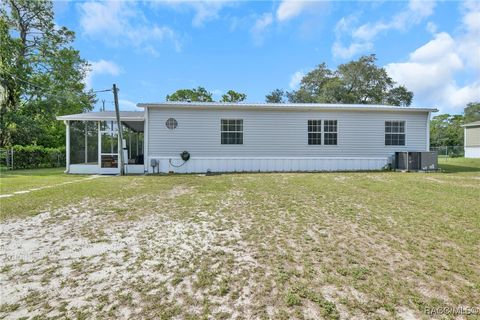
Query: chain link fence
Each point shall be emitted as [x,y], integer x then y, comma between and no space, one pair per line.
[31,157]
[6,159]
[449,151]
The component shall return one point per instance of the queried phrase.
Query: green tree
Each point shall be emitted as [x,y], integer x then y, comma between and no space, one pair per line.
[360,82]
[233,96]
[472,112]
[41,75]
[276,96]
[399,96]
[446,130]
[199,94]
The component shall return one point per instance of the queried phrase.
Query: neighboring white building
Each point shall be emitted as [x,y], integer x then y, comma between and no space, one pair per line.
[472,139]
[237,137]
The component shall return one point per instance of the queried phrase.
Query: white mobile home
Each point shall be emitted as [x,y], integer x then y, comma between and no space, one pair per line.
[472,139]
[234,137]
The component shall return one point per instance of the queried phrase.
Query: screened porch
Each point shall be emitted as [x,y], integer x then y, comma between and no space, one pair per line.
[92,143]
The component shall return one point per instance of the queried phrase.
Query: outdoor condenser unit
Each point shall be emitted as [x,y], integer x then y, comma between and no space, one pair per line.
[416,161]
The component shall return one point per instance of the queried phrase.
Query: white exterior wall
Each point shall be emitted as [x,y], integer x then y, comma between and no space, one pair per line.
[472,152]
[277,140]
[472,142]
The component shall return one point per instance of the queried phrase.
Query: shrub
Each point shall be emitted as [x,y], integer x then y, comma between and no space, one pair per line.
[29,157]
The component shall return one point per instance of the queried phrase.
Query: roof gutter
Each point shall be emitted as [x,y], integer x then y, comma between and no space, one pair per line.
[112,118]
[284,107]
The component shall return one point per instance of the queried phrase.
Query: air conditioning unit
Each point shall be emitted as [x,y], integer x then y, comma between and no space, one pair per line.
[416,161]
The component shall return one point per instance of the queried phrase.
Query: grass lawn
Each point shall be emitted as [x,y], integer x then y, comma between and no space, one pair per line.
[290,245]
[19,180]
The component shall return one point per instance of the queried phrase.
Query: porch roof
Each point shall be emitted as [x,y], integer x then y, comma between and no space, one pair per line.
[104,116]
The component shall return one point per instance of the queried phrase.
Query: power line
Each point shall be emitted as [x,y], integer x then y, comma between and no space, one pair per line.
[46,89]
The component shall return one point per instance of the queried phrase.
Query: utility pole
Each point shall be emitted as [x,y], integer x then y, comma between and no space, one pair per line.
[120,134]
[103,105]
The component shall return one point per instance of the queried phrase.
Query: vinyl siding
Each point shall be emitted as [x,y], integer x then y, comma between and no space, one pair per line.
[280,133]
[472,136]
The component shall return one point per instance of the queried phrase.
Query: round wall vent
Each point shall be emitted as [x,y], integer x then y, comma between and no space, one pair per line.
[171,123]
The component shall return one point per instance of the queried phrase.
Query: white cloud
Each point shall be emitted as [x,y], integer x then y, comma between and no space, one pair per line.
[469,42]
[99,18]
[361,38]
[345,52]
[127,105]
[420,9]
[296,79]
[204,11]
[431,73]
[431,27]
[289,9]
[101,67]
[105,67]
[344,26]
[123,23]
[260,26]
[471,19]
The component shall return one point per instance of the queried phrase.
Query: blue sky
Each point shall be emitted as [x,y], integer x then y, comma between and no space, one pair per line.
[151,49]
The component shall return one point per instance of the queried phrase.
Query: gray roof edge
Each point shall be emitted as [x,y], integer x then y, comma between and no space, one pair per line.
[472,124]
[104,115]
[284,106]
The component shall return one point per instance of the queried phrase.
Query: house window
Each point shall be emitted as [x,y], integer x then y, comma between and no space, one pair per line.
[314,131]
[394,133]
[231,131]
[330,132]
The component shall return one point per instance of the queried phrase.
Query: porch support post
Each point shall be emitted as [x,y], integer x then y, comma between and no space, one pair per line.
[67,148]
[86,141]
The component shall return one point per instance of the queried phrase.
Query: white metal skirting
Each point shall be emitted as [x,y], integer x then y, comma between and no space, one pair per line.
[95,169]
[247,164]
[472,152]
[135,169]
[84,169]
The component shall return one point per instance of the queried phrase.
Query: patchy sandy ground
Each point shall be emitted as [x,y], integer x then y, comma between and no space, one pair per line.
[246,247]
[80,260]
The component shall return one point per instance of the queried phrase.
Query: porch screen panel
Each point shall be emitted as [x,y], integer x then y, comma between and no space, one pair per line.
[83,142]
[77,142]
[109,142]
[92,142]
[134,144]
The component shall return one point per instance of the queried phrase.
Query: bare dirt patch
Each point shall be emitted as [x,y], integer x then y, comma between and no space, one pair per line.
[83,260]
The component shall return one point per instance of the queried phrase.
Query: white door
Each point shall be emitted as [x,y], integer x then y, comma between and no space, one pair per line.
[108,151]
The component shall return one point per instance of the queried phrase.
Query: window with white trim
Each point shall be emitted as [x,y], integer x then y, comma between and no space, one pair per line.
[394,133]
[330,132]
[315,132]
[231,131]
